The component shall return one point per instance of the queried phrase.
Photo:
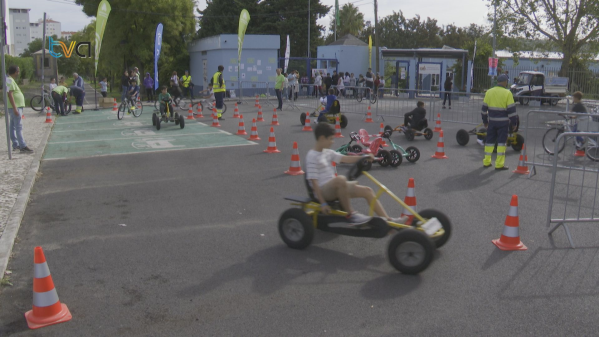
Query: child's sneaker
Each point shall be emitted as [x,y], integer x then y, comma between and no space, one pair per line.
[401,220]
[356,218]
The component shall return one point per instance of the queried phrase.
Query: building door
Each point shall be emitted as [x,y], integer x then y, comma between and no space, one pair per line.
[403,74]
[427,79]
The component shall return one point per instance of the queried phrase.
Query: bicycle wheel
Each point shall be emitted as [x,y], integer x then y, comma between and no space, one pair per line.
[359,97]
[592,149]
[373,99]
[67,108]
[138,109]
[36,103]
[224,108]
[549,139]
[197,109]
[122,110]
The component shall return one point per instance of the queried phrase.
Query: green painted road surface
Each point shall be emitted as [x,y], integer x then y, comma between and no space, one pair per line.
[100,133]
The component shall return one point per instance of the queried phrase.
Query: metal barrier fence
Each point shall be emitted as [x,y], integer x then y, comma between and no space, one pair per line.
[541,129]
[573,193]
[249,90]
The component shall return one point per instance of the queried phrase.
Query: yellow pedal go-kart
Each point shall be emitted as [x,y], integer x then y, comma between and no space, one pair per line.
[410,250]
[166,117]
[515,140]
[329,117]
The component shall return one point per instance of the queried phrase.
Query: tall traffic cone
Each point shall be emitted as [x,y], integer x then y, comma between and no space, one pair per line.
[272,142]
[215,122]
[257,102]
[438,124]
[236,111]
[578,153]
[440,153]
[241,129]
[275,118]
[199,114]
[338,128]
[114,106]
[47,309]
[48,115]
[369,116]
[382,130]
[335,167]
[522,168]
[190,112]
[410,200]
[260,117]
[254,131]
[307,124]
[295,169]
[510,239]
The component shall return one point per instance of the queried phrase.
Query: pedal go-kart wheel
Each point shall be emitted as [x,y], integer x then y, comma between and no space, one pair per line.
[154,117]
[409,135]
[356,148]
[389,129]
[428,134]
[176,118]
[385,158]
[519,143]
[410,251]
[413,154]
[158,121]
[181,121]
[445,223]
[462,137]
[303,118]
[367,166]
[396,158]
[296,229]
[344,121]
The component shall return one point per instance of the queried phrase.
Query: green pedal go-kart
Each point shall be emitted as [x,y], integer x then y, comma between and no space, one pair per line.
[515,140]
[330,117]
[410,250]
[166,117]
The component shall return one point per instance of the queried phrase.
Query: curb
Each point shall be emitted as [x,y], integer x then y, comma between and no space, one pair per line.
[13,223]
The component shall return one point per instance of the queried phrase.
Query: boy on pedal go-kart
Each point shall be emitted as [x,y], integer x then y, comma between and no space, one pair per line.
[165,98]
[331,98]
[412,118]
[321,177]
[132,93]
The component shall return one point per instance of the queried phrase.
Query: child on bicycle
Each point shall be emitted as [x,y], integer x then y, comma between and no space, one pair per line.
[321,177]
[165,98]
[132,93]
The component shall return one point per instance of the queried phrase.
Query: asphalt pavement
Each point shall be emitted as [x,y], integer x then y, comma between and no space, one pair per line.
[185,243]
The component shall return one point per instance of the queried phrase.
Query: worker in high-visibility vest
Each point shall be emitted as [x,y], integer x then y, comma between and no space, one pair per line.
[186,84]
[498,111]
[219,88]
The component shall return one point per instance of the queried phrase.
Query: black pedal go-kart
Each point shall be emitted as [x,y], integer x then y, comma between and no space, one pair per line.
[410,250]
[420,130]
[166,117]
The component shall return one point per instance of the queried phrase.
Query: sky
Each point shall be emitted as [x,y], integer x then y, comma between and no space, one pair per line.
[468,11]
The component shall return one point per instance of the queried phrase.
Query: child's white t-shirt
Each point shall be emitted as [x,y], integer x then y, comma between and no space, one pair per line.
[319,165]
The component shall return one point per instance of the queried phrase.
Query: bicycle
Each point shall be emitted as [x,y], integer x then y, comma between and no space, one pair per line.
[590,145]
[125,105]
[36,103]
[210,105]
[371,97]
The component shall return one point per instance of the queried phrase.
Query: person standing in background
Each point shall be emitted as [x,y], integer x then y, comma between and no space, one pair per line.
[16,104]
[335,80]
[103,87]
[447,95]
[186,83]
[124,85]
[219,87]
[78,81]
[52,84]
[305,82]
[328,82]
[149,85]
[317,84]
[279,82]
[369,82]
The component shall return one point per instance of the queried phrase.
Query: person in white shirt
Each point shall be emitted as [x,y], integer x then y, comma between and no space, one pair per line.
[317,84]
[341,86]
[52,84]
[326,187]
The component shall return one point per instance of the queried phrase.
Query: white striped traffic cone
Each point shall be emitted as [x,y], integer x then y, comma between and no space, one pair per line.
[275,118]
[190,112]
[260,117]
[510,238]
[295,169]
[48,115]
[440,153]
[438,124]
[114,106]
[236,111]
[522,168]
[254,131]
[199,114]
[272,142]
[241,129]
[410,200]
[215,122]
[338,128]
[307,124]
[369,116]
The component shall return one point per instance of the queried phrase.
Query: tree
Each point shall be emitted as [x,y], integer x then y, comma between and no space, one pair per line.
[568,24]
[351,21]
[399,32]
[130,32]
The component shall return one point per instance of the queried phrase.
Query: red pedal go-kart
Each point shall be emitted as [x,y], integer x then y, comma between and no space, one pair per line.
[381,156]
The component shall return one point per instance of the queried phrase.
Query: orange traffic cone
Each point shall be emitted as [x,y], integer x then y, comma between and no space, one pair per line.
[215,122]
[510,239]
[578,153]
[275,118]
[381,130]
[338,128]
[369,116]
[410,200]
[241,129]
[114,106]
[440,153]
[48,115]
[260,117]
[307,124]
[295,169]
[199,114]
[272,142]
[236,111]
[257,102]
[522,168]
[335,167]
[47,309]
[254,131]
[438,124]
[190,112]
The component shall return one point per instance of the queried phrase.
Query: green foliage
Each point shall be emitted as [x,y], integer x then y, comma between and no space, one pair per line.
[24,63]
[277,17]
[351,21]
[130,33]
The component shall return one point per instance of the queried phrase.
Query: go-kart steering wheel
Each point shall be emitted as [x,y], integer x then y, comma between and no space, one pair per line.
[356,170]
[354,136]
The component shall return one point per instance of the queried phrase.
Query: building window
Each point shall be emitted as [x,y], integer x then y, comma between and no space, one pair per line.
[47,62]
